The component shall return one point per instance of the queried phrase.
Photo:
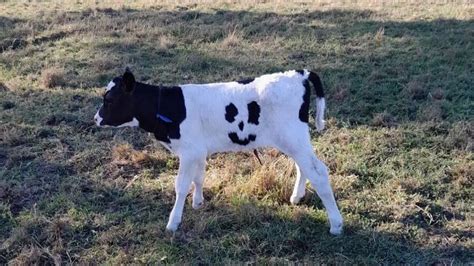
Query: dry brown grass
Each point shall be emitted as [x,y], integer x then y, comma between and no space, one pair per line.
[273,180]
[432,111]
[233,38]
[53,77]
[124,154]
[3,87]
[384,119]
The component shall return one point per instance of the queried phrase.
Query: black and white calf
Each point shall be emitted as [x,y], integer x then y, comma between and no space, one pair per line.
[196,120]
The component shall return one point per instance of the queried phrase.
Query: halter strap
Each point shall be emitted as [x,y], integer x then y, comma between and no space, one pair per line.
[158,115]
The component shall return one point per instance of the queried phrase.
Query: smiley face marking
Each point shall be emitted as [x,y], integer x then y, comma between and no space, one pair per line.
[231,111]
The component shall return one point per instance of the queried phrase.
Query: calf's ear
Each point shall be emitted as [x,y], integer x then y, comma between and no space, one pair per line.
[128,81]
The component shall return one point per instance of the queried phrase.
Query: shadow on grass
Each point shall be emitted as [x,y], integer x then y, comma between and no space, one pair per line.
[74,217]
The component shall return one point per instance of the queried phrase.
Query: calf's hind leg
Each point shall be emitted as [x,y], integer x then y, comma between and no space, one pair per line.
[316,172]
[300,186]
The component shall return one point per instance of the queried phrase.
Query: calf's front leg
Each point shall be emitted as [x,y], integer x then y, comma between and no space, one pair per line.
[187,169]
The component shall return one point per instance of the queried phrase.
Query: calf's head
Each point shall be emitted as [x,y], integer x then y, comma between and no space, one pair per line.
[117,109]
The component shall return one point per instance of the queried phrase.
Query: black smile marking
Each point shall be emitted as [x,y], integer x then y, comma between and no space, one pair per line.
[231,112]
[254,112]
[235,139]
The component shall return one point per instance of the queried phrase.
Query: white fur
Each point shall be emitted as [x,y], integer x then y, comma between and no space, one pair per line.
[98,119]
[205,131]
[319,118]
[109,86]
[133,123]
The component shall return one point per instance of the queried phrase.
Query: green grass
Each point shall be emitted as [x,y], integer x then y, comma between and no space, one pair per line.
[399,141]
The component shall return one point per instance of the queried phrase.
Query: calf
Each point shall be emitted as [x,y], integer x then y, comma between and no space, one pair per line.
[196,120]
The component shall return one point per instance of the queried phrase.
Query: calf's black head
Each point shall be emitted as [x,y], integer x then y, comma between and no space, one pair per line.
[118,107]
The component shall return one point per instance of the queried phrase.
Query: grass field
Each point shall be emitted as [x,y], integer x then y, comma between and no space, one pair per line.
[399,80]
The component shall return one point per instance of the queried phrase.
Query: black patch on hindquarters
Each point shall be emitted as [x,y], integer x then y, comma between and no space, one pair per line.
[304,108]
[241,125]
[301,71]
[254,112]
[235,139]
[231,112]
[246,81]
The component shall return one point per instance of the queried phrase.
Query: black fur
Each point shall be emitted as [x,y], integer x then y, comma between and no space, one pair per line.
[254,112]
[170,104]
[317,84]
[235,139]
[304,108]
[129,99]
[246,81]
[231,112]
[318,87]
[241,125]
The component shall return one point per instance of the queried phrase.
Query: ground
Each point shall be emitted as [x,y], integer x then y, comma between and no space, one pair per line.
[399,138]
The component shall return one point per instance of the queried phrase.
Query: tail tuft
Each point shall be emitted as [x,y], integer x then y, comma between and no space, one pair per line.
[319,117]
[320,101]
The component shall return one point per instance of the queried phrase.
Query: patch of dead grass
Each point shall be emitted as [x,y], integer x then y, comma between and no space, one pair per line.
[384,119]
[234,38]
[53,77]
[273,181]
[432,111]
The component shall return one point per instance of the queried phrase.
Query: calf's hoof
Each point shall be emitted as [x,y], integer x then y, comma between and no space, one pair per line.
[172,227]
[198,205]
[295,200]
[336,230]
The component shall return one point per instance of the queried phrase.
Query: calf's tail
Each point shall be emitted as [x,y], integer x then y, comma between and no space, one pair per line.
[320,102]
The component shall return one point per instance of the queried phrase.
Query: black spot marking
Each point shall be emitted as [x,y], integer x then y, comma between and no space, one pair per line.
[235,139]
[231,112]
[246,81]
[304,109]
[254,112]
[301,71]
[241,125]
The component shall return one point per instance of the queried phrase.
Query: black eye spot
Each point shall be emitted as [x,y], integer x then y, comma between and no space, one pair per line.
[231,112]
[254,112]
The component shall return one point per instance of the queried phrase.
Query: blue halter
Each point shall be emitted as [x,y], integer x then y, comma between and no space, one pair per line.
[164,118]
